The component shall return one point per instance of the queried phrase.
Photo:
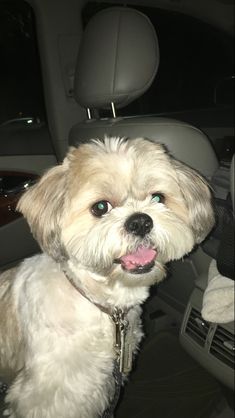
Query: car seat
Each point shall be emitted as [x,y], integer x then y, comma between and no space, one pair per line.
[117,62]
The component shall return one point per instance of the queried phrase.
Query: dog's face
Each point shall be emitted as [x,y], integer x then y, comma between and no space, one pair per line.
[119,209]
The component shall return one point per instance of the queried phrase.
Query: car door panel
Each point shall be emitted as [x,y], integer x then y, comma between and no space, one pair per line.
[25,153]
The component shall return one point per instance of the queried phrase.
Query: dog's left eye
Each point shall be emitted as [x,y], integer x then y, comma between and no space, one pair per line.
[158,198]
[101,208]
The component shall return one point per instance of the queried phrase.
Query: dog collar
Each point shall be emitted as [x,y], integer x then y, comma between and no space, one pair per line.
[108,310]
[121,323]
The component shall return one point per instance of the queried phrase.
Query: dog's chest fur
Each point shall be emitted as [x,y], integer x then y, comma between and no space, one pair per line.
[68,341]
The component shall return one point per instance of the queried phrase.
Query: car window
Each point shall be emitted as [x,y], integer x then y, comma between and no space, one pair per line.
[21,92]
[194,59]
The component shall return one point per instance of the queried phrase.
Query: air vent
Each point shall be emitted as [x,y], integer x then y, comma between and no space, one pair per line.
[197,328]
[222,346]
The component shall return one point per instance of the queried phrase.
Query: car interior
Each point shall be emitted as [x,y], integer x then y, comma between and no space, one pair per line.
[93,69]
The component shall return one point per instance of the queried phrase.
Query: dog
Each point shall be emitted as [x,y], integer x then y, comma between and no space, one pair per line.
[108,220]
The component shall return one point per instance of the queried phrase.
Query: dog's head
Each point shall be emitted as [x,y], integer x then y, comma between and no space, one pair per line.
[119,209]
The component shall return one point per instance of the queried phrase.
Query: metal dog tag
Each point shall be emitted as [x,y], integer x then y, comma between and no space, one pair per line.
[127,361]
[122,343]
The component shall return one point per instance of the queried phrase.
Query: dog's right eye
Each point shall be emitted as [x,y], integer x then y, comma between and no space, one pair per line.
[101,208]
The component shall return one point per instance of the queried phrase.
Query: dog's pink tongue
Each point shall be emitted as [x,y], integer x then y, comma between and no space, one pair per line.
[141,257]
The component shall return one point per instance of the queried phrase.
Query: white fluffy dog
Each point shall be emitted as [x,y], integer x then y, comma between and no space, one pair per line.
[108,219]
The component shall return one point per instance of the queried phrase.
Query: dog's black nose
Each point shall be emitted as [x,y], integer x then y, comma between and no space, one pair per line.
[139,224]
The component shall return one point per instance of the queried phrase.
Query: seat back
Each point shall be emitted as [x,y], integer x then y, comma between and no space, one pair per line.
[117,62]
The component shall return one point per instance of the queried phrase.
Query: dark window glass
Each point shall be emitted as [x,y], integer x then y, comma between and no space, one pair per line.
[20,76]
[194,58]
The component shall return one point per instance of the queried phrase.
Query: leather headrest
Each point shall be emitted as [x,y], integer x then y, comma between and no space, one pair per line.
[118,58]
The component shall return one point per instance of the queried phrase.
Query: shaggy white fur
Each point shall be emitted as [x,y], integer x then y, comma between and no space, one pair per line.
[109,218]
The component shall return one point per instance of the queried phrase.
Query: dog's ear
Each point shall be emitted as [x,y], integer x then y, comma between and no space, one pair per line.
[42,205]
[198,198]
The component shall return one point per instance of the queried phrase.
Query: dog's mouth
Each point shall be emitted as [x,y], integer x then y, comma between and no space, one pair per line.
[140,261]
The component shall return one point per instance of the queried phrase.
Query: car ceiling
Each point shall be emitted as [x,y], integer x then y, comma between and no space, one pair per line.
[219,13]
